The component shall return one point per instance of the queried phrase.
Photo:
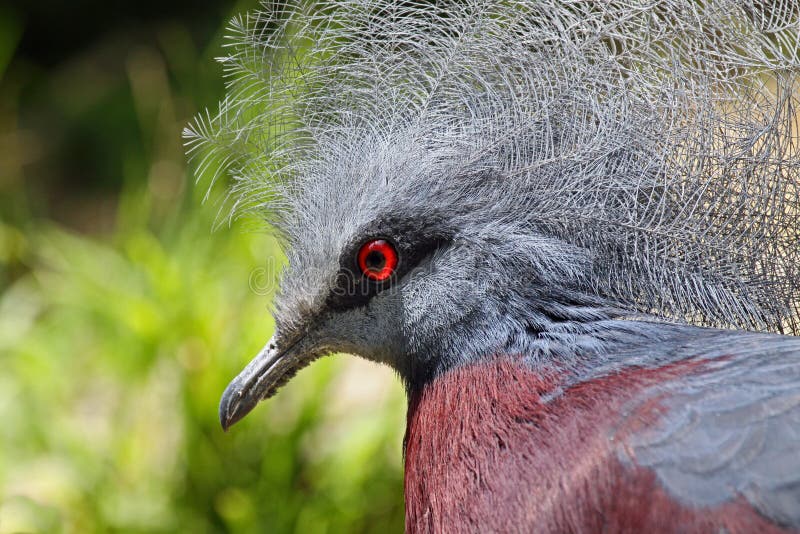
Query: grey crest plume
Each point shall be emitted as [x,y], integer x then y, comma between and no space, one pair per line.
[653,144]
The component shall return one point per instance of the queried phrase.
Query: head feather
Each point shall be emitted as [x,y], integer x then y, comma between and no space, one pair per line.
[659,139]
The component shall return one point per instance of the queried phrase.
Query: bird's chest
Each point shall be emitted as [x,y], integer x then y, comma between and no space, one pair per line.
[486,452]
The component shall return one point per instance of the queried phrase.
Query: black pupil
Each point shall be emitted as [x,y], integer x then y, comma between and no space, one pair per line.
[375,260]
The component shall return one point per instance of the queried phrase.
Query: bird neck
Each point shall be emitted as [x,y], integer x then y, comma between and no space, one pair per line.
[570,334]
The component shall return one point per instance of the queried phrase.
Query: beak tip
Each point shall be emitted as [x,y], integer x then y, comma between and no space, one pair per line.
[236,402]
[227,420]
[227,410]
[250,387]
[224,422]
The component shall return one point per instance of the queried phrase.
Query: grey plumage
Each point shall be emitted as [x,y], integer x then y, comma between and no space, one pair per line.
[732,431]
[582,184]
[651,145]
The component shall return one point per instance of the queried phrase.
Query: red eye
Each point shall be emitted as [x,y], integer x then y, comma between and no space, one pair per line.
[377,259]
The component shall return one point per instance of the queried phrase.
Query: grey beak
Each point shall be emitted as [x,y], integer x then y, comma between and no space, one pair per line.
[259,380]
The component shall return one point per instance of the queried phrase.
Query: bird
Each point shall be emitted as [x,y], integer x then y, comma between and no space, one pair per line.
[571,228]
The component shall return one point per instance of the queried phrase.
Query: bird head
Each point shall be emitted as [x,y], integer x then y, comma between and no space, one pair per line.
[456,180]
[418,273]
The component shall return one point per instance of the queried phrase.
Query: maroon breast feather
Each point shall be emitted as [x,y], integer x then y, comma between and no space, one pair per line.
[490,449]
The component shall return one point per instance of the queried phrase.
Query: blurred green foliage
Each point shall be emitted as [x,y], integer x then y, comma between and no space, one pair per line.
[123,317]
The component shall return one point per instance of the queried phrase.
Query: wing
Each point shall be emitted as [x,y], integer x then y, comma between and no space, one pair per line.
[731,430]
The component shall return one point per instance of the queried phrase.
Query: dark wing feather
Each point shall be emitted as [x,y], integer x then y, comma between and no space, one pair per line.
[731,430]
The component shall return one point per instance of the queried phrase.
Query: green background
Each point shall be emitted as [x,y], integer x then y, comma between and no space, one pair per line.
[124,314]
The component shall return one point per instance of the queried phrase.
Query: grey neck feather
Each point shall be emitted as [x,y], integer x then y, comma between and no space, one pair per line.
[573,334]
